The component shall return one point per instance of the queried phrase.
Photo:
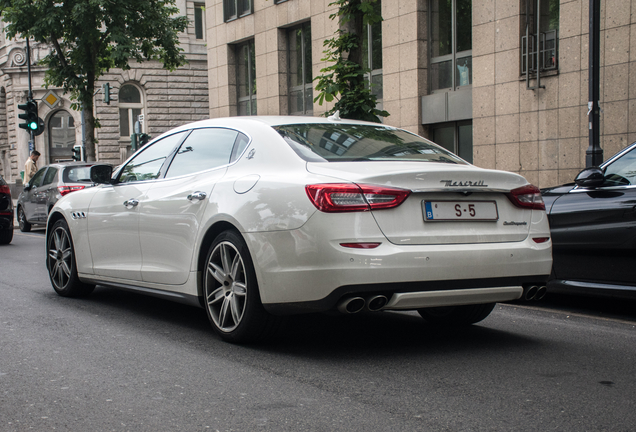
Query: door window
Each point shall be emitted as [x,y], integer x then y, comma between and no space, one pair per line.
[50,176]
[37,178]
[622,171]
[204,149]
[147,164]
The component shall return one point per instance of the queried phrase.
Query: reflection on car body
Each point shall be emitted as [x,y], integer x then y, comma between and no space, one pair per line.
[256,217]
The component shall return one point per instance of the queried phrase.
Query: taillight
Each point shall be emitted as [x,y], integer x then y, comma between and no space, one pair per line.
[350,197]
[360,245]
[65,190]
[528,196]
[4,189]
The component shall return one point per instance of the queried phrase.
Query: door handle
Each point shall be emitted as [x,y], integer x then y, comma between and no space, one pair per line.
[197,196]
[131,202]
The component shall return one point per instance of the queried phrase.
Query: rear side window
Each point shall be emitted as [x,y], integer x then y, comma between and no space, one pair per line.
[345,143]
[51,175]
[81,174]
[204,149]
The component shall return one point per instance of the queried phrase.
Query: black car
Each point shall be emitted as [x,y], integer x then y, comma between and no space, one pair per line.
[593,224]
[6,213]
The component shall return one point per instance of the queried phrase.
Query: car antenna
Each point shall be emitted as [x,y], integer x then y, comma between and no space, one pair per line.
[335,116]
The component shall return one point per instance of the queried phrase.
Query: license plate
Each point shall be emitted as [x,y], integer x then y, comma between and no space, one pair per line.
[460,210]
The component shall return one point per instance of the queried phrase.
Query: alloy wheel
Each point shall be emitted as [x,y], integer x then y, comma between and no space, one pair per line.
[60,256]
[226,286]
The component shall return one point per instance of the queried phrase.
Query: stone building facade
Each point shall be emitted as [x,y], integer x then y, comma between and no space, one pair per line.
[166,99]
[461,72]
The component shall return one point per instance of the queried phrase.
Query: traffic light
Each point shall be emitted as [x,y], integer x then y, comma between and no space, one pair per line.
[30,116]
[78,152]
[106,90]
[143,139]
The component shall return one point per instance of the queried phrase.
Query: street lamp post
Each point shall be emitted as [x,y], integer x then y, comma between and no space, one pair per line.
[594,153]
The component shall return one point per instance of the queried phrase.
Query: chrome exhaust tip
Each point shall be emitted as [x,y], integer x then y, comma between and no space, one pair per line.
[541,292]
[530,293]
[351,305]
[376,302]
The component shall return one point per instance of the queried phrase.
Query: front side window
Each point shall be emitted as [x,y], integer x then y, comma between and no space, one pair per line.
[451,44]
[346,143]
[130,108]
[372,53]
[301,100]
[204,149]
[146,165]
[233,9]
[246,78]
[36,180]
[621,172]
[540,48]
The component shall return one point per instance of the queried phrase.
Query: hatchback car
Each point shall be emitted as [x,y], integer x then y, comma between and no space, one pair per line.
[255,217]
[48,185]
[593,222]
[6,213]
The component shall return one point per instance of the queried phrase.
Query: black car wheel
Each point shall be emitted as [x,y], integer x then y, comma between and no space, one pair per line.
[456,315]
[61,263]
[6,236]
[230,290]
[25,226]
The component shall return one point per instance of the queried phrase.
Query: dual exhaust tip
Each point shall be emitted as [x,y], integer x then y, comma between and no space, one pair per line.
[534,292]
[353,305]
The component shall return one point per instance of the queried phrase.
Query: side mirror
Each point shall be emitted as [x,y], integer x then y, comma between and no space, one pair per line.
[101,174]
[590,177]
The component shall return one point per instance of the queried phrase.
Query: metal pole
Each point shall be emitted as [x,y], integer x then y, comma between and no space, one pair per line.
[594,153]
[30,95]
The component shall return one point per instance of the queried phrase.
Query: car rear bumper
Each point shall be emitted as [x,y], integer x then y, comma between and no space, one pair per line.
[299,272]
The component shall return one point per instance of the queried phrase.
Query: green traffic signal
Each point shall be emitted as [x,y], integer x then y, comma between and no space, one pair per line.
[30,114]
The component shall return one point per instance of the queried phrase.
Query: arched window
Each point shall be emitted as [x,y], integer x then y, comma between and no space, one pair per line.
[130,108]
[61,136]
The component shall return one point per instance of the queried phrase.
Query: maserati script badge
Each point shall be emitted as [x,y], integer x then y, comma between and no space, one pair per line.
[467,183]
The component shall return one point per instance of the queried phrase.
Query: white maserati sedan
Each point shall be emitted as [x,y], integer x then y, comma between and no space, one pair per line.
[256,217]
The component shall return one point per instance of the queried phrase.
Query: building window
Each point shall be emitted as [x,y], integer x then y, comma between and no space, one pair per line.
[456,137]
[130,108]
[233,9]
[279,1]
[246,78]
[61,136]
[539,49]
[451,44]
[372,53]
[300,75]
[199,21]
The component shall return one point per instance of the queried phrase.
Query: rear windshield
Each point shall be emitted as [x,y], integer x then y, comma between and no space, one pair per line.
[344,143]
[80,174]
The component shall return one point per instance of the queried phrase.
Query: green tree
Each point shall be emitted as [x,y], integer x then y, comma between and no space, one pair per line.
[343,79]
[88,37]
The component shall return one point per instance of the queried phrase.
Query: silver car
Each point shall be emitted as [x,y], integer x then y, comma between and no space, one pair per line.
[46,187]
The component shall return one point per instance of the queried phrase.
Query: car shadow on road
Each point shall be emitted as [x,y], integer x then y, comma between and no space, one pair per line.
[378,333]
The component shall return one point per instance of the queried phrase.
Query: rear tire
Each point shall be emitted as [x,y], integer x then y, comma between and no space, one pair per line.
[61,264]
[6,236]
[456,315]
[231,296]
[25,226]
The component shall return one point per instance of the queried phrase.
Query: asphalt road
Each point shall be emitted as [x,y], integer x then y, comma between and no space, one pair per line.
[118,361]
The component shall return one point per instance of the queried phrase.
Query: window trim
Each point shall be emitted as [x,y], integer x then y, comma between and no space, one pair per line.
[199,7]
[236,15]
[305,87]
[130,107]
[250,98]
[454,56]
